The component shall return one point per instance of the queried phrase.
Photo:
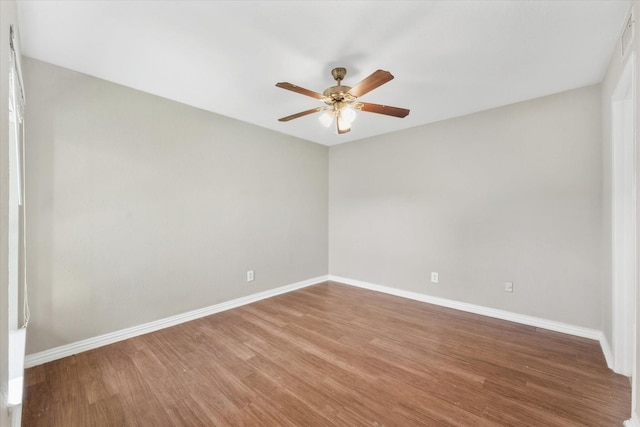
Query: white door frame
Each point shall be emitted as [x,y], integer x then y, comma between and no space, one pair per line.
[624,220]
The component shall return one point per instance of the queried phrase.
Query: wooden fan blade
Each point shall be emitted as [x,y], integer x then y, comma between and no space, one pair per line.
[377,78]
[302,113]
[381,109]
[300,90]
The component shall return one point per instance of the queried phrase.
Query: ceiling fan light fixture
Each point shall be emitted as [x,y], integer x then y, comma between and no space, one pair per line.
[348,114]
[344,126]
[326,118]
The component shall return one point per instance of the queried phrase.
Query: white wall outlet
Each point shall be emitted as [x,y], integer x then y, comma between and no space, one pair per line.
[508,286]
[434,277]
[250,276]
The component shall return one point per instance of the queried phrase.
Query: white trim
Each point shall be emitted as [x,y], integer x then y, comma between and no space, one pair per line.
[17,339]
[15,415]
[477,309]
[623,215]
[626,38]
[634,421]
[606,350]
[123,334]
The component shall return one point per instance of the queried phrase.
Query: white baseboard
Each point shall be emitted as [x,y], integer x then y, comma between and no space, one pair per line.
[17,340]
[15,415]
[110,338]
[478,309]
[608,353]
[102,340]
[634,421]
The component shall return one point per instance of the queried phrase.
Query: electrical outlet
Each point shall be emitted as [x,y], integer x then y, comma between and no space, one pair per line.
[434,277]
[250,276]
[508,287]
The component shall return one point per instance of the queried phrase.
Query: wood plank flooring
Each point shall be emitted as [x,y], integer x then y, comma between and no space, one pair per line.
[333,355]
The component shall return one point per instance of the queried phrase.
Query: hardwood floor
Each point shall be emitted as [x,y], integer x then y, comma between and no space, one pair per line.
[328,355]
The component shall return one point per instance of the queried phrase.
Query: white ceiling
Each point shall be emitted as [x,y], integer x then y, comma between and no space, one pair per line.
[449,58]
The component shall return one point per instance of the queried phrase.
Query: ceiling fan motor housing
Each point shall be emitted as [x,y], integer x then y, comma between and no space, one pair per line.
[338,93]
[338,74]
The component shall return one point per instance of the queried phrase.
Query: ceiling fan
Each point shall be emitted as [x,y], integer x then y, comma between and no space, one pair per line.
[341,100]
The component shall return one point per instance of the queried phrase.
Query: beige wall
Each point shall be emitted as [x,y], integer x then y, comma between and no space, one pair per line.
[510,194]
[141,208]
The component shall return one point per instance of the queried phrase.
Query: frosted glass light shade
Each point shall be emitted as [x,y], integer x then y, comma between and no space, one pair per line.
[348,114]
[327,118]
[343,125]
